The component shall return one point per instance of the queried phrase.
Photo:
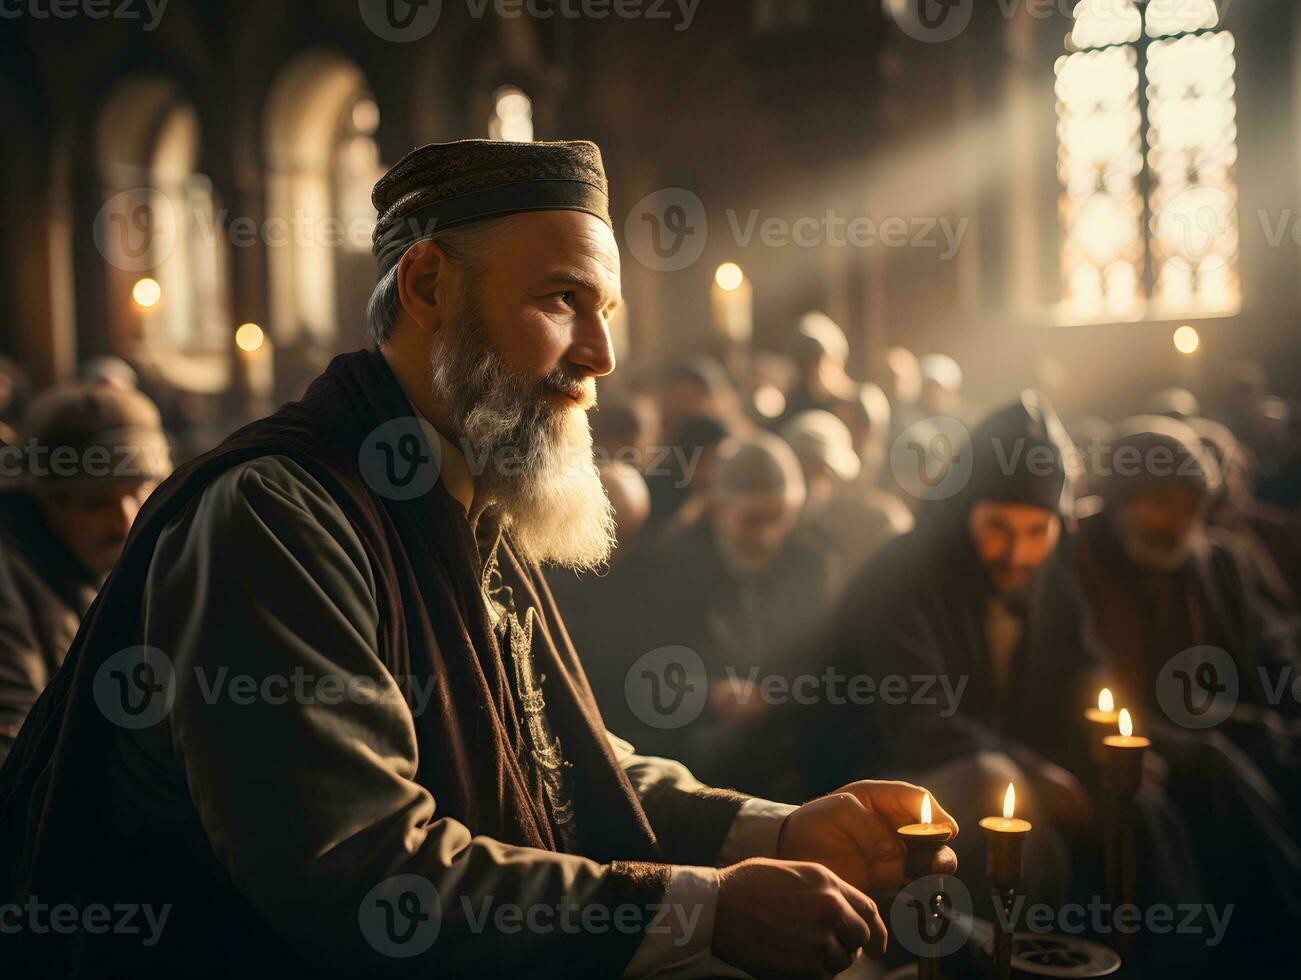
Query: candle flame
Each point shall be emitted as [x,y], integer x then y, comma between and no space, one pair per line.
[926,808]
[1009,802]
[1105,701]
[1126,723]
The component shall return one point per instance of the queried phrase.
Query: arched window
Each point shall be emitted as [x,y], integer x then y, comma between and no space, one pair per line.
[1147,152]
[322,161]
[158,229]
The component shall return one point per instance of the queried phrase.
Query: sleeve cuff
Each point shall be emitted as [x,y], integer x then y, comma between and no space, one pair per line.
[677,942]
[754,832]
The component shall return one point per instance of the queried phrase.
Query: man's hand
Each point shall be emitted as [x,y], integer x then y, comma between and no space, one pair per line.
[779,919]
[852,832]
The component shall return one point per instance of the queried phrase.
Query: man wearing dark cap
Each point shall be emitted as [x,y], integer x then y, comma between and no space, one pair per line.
[70,486]
[325,711]
[1161,581]
[1181,613]
[974,599]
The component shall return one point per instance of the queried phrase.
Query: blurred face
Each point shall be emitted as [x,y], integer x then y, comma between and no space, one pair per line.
[752,528]
[820,481]
[1159,526]
[682,399]
[902,376]
[93,521]
[1012,541]
[702,477]
[524,334]
[939,400]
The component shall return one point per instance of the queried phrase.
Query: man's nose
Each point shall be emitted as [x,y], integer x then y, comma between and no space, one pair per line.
[592,350]
[125,514]
[1022,553]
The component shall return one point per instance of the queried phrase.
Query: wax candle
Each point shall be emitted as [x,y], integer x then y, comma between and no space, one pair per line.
[1105,713]
[926,828]
[1101,723]
[1126,740]
[921,840]
[1006,838]
[1124,754]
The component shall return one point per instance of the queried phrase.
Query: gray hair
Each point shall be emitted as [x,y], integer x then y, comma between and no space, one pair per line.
[467,243]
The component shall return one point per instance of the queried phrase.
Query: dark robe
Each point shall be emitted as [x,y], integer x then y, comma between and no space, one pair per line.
[1146,617]
[1243,835]
[918,609]
[680,591]
[433,634]
[44,592]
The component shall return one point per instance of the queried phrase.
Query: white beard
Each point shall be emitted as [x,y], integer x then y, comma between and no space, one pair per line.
[535,462]
[557,509]
[1158,559]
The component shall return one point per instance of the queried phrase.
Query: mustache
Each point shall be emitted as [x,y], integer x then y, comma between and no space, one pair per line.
[581,388]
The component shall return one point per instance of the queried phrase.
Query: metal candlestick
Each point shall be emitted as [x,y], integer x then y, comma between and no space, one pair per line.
[921,843]
[1121,777]
[1005,866]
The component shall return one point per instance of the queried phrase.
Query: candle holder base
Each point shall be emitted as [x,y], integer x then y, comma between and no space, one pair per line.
[1052,955]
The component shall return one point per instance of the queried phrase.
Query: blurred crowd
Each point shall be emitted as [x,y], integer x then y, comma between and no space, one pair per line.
[824,576]
[870,576]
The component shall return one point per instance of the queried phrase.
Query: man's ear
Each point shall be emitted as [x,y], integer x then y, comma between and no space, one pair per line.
[422,284]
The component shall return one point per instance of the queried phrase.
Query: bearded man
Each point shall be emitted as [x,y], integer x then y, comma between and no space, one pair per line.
[1180,611]
[976,599]
[325,715]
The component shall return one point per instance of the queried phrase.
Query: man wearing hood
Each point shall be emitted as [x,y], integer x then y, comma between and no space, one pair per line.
[987,633]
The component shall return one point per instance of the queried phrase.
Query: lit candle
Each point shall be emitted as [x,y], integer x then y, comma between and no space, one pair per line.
[1123,776]
[1105,713]
[921,841]
[1126,740]
[731,302]
[1102,722]
[1004,863]
[926,829]
[1124,756]
[1008,823]
[254,351]
[1006,836]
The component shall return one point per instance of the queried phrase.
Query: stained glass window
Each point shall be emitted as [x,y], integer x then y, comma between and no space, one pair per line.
[1147,139]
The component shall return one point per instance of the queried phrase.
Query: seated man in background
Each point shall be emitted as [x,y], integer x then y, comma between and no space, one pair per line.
[941,386]
[679,481]
[1268,536]
[1161,581]
[845,514]
[820,352]
[739,589]
[1180,612]
[86,459]
[973,602]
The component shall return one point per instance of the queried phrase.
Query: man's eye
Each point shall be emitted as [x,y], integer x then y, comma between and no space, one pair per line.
[569,298]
